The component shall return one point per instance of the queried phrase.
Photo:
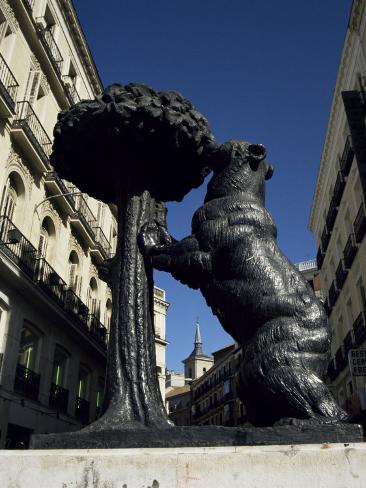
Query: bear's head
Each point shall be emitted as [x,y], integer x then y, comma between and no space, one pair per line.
[239,167]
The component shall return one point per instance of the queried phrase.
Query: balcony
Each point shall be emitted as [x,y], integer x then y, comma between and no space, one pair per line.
[350,251]
[331,215]
[16,246]
[327,308]
[319,258]
[83,220]
[50,46]
[339,189]
[29,133]
[333,294]
[348,342]
[71,90]
[56,187]
[82,409]
[325,238]
[8,90]
[347,157]
[29,4]
[47,279]
[340,359]
[359,225]
[26,382]
[101,248]
[359,329]
[21,252]
[341,275]
[97,330]
[76,308]
[59,398]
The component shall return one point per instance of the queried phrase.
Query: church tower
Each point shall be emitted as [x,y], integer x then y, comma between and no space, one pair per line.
[197,363]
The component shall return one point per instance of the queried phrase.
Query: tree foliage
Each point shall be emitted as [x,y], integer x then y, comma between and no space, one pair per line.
[135,136]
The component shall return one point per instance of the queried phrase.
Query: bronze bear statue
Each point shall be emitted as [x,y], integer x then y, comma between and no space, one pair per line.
[260,298]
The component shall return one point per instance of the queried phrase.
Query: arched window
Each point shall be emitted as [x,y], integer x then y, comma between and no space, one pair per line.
[46,238]
[108,313]
[28,348]
[74,272]
[60,360]
[13,197]
[93,303]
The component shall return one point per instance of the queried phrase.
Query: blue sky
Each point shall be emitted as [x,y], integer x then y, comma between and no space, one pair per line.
[259,71]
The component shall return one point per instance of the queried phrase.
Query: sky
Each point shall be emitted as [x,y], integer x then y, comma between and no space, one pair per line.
[260,71]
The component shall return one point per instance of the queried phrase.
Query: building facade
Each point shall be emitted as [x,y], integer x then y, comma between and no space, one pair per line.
[338,217]
[54,310]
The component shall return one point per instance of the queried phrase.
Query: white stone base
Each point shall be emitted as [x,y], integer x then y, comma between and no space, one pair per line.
[300,466]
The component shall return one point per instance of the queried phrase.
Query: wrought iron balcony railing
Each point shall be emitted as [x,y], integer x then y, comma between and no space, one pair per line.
[359,329]
[340,359]
[319,258]
[82,409]
[331,371]
[359,225]
[16,246]
[333,294]
[49,280]
[27,119]
[71,90]
[97,329]
[24,255]
[338,188]
[75,307]
[26,382]
[348,342]
[341,274]
[102,242]
[56,186]
[85,214]
[331,215]
[29,4]
[51,47]
[8,85]
[325,238]
[350,251]
[59,397]
[347,157]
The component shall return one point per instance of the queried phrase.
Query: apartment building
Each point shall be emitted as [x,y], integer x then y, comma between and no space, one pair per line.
[54,310]
[338,219]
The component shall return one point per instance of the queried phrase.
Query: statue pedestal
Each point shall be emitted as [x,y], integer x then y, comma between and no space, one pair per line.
[310,465]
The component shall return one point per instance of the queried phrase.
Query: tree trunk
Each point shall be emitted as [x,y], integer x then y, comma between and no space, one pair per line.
[132,397]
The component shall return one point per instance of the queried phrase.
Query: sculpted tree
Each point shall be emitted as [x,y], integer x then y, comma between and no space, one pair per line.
[133,147]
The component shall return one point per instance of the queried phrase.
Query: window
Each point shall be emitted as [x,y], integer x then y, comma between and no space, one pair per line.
[13,197]
[83,384]
[7,38]
[92,298]
[59,366]
[46,238]
[100,396]
[74,280]
[28,349]
[361,293]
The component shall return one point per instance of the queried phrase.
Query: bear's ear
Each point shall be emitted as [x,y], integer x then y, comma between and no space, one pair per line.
[269,172]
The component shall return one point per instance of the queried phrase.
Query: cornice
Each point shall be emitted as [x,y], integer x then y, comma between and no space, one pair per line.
[333,117]
[76,31]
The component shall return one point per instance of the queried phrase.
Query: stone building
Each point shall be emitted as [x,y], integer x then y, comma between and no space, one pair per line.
[54,310]
[309,269]
[197,363]
[338,217]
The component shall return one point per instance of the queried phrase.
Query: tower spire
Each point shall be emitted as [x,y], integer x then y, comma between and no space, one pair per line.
[197,339]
